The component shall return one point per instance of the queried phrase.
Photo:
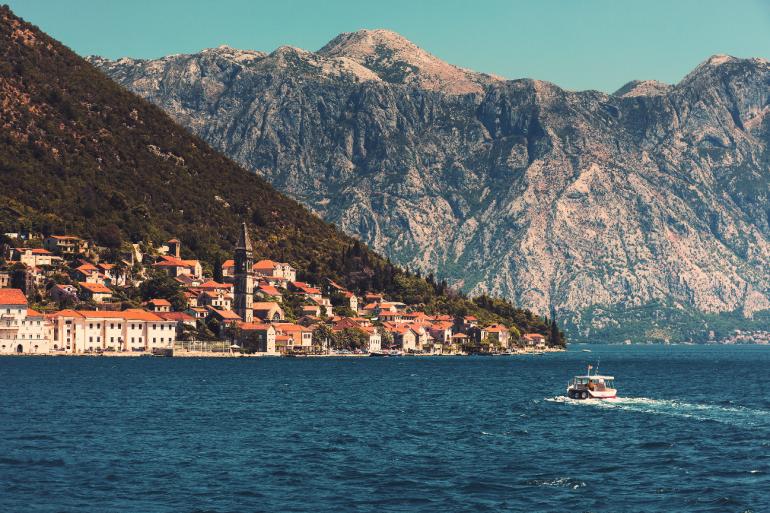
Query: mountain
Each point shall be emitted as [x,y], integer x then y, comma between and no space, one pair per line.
[641,214]
[80,154]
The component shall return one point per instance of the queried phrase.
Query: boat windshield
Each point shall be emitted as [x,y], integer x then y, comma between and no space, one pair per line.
[598,382]
[602,383]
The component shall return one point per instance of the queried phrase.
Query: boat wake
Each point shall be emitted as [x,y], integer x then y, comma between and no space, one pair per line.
[734,415]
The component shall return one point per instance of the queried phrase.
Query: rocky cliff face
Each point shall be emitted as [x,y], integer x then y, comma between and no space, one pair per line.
[622,212]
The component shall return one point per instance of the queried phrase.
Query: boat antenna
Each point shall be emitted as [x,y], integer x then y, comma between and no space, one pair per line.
[598,361]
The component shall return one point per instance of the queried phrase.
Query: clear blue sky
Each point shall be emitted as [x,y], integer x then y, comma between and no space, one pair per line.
[578,44]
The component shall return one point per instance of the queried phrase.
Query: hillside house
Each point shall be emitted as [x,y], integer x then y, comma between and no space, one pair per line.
[534,340]
[158,305]
[33,257]
[63,292]
[96,292]
[257,337]
[268,311]
[22,330]
[64,245]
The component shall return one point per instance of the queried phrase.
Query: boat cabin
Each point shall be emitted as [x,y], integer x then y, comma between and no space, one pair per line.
[595,382]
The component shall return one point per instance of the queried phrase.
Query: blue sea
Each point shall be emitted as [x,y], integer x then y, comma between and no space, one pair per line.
[691,433]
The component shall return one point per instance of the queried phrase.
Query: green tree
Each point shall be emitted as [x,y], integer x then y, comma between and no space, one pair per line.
[161,286]
[323,337]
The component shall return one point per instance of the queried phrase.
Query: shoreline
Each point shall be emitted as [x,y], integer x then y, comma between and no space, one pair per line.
[207,354]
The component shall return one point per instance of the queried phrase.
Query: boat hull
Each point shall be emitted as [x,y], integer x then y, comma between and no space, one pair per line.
[583,394]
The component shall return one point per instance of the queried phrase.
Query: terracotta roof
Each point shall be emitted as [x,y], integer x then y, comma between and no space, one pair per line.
[12,297]
[496,328]
[226,314]
[249,326]
[65,237]
[33,313]
[211,284]
[288,327]
[459,335]
[175,316]
[129,315]
[269,290]
[265,305]
[41,251]
[66,313]
[228,263]
[96,288]
[304,287]
[159,302]
[265,264]
[171,261]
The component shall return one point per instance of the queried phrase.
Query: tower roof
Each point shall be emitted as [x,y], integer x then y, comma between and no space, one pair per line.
[244,242]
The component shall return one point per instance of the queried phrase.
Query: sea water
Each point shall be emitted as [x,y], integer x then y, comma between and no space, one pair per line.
[690,432]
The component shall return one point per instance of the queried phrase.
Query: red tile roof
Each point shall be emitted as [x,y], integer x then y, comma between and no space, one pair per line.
[211,284]
[159,302]
[175,316]
[269,290]
[265,305]
[128,315]
[253,326]
[95,288]
[265,265]
[226,314]
[12,297]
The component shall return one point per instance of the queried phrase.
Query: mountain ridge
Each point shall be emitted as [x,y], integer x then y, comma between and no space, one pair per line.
[583,202]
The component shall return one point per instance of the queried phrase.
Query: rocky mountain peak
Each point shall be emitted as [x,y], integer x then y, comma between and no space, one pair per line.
[235,54]
[642,88]
[397,60]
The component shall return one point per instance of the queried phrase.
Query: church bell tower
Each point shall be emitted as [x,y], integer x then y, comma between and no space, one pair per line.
[244,277]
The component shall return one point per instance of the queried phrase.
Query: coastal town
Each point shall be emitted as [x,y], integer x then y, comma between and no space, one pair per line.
[60,294]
